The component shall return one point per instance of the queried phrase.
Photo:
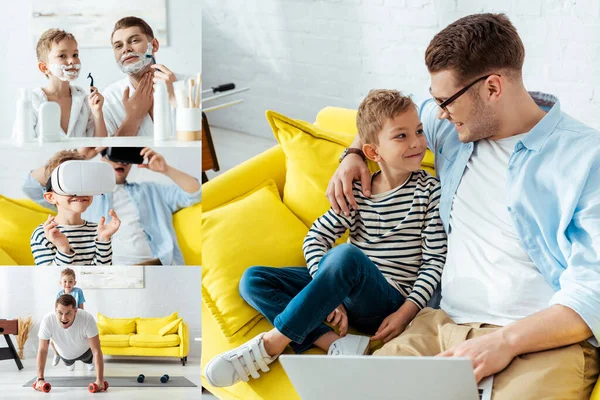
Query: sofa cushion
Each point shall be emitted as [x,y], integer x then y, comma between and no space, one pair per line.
[5,259]
[117,326]
[18,219]
[170,328]
[189,238]
[151,326]
[312,156]
[115,340]
[141,340]
[254,230]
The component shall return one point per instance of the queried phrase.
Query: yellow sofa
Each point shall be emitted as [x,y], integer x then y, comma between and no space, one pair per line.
[151,337]
[19,217]
[228,200]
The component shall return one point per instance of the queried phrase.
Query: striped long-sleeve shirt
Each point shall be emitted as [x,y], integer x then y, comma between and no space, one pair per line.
[400,231]
[83,241]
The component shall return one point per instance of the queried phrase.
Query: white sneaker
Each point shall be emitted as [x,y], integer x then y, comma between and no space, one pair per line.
[238,364]
[55,360]
[91,366]
[71,367]
[349,345]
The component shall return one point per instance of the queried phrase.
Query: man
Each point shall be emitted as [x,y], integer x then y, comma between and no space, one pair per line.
[521,206]
[75,336]
[134,46]
[146,235]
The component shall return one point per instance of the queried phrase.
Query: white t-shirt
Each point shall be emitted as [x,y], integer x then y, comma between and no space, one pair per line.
[73,341]
[114,110]
[488,276]
[81,120]
[130,243]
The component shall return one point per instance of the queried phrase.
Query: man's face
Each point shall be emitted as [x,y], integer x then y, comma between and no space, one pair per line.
[471,116]
[402,144]
[130,46]
[68,283]
[65,315]
[121,170]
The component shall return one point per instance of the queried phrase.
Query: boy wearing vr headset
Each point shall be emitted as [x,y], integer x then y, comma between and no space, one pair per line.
[147,235]
[68,239]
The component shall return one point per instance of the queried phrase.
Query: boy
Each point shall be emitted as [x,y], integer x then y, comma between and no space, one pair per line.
[67,239]
[80,111]
[379,281]
[68,282]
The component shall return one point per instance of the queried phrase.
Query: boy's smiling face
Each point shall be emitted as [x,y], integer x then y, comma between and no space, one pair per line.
[62,61]
[69,204]
[68,282]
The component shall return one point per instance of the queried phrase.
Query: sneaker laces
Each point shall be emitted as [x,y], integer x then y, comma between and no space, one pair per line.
[334,350]
[248,360]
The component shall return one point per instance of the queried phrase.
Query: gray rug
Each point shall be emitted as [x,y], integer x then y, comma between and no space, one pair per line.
[115,381]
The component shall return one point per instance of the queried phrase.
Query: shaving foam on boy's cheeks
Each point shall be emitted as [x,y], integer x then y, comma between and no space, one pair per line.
[138,66]
[65,73]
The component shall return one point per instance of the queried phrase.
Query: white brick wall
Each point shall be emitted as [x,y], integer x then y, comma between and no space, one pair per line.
[298,56]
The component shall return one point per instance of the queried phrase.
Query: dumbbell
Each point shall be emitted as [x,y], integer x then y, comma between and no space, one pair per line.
[141,378]
[46,388]
[93,388]
[164,378]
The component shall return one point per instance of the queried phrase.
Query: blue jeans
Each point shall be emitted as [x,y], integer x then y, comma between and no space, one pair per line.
[297,305]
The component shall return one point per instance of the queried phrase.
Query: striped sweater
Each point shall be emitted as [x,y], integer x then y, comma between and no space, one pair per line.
[399,230]
[82,239]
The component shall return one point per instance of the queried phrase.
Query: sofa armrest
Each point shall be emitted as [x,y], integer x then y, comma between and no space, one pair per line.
[184,335]
[245,177]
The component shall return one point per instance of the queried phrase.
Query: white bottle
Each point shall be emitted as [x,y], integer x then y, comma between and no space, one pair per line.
[49,122]
[162,123]
[23,130]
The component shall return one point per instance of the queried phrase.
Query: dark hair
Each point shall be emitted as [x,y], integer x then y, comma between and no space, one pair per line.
[476,45]
[66,300]
[129,22]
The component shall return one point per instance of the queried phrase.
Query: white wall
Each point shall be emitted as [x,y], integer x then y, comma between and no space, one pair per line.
[301,55]
[32,291]
[16,163]
[19,68]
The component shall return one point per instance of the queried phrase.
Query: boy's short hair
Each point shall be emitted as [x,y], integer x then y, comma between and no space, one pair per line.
[66,300]
[59,158]
[379,106]
[68,272]
[476,45]
[48,39]
[129,22]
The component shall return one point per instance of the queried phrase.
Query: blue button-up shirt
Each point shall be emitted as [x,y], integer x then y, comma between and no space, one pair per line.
[155,204]
[552,196]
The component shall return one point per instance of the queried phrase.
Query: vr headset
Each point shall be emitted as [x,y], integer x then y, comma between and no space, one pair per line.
[81,178]
[124,155]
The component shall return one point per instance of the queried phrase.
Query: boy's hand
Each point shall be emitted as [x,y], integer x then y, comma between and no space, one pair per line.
[105,232]
[55,236]
[96,100]
[140,103]
[156,162]
[396,323]
[339,317]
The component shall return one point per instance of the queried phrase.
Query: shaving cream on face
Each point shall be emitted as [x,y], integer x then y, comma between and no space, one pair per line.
[65,73]
[138,66]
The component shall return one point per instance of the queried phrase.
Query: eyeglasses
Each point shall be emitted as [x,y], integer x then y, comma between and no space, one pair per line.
[443,105]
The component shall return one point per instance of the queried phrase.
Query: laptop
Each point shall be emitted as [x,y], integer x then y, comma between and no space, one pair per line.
[321,377]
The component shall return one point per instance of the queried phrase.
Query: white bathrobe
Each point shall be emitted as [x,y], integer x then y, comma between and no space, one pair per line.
[114,110]
[81,120]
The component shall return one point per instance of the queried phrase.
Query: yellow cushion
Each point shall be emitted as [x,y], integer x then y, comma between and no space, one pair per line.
[115,340]
[5,259]
[596,392]
[255,230]
[141,340]
[170,328]
[151,326]
[311,159]
[117,326]
[103,329]
[18,220]
[186,223]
